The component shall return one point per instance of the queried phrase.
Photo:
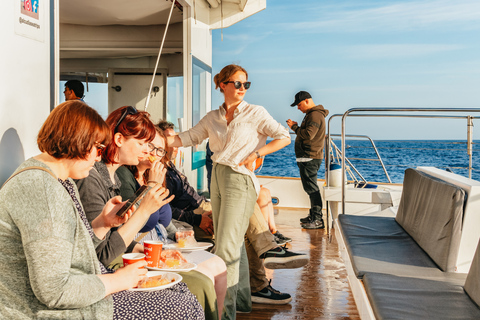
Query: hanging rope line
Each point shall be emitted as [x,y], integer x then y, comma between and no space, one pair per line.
[158,57]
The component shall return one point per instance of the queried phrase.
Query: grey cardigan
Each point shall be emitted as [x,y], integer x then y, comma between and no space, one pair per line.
[47,258]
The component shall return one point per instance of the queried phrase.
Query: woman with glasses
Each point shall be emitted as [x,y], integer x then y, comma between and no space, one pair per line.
[210,294]
[237,133]
[150,168]
[47,247]
[131,132]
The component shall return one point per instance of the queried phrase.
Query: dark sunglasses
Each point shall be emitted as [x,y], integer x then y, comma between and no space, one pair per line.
[100,148]
[128,110]
[159,151]
[238,84]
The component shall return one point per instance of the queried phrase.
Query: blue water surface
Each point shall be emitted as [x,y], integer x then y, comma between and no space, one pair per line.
[396,156]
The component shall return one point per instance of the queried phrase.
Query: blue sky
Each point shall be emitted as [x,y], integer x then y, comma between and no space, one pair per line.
[360,54]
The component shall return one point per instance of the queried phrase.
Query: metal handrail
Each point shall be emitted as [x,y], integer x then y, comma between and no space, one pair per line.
[427,110]
[374,148]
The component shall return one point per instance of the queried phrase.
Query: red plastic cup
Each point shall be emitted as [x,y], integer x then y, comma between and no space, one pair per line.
[130,258]
[153,252]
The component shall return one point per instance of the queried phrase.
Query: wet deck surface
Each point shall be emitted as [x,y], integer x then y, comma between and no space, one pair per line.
[320,290]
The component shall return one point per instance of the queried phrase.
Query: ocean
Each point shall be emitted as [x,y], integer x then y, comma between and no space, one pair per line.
[396,156]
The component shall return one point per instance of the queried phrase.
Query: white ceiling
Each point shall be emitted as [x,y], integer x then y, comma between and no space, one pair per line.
[114,12]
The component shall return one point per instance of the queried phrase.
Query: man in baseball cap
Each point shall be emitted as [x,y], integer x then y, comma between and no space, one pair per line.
[309,145]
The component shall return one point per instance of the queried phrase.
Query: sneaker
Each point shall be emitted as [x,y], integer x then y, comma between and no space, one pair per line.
[281,238]
[306,219]
[280,258]
[268,295]
[315,224]
[279,242]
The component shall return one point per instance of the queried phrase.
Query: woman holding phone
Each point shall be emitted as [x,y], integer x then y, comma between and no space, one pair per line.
[47,247]
[237,133]
[131,132]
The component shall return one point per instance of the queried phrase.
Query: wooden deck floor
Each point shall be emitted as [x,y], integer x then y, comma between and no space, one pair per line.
[320,290]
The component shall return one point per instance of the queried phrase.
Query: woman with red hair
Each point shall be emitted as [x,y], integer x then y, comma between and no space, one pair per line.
[47,247]
[131,131]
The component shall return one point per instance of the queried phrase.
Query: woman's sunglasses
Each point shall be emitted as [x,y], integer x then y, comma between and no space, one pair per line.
[238,84]
[100,148]
[159,151]
[128,110]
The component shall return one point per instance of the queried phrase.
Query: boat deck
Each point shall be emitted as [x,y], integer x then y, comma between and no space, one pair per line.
[320,290]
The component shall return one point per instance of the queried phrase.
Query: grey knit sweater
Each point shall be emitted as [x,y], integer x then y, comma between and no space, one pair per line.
[47,258]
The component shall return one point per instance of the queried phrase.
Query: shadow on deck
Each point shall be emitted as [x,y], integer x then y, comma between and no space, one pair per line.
[320,290]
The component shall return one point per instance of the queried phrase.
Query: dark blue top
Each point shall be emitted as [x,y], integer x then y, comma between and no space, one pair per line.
[129,185]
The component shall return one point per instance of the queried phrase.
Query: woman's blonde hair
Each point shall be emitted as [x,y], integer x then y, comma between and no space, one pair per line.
[226,73]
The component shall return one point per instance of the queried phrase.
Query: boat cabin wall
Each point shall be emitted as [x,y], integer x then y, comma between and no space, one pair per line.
[28,85]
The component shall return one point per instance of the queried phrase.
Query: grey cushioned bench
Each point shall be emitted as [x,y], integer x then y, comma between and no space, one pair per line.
[425,233]
[430,295]
[407,263]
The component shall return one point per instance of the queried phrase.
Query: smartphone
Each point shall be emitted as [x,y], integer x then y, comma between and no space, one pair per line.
[132,201]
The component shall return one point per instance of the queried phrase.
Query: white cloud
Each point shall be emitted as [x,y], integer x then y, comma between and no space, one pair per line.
[401,16]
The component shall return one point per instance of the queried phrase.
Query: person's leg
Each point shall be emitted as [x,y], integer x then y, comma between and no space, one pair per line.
[308,175]
[264,244]
[258,277]
[265,203]
[233,197]
[258,234]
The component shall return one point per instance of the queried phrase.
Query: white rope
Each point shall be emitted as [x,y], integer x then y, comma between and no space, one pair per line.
[158,57]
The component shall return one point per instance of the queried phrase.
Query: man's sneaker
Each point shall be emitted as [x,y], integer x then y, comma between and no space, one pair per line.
[315,224]
[281,239]
[268,295]
[306,219]
[280,258]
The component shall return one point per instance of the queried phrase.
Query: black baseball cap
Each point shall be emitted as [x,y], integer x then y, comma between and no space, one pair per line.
[300,96]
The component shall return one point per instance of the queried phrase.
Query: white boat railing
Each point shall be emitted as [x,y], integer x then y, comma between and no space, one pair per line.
[387,112]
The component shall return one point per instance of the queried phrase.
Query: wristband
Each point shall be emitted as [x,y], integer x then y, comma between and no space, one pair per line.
[258,154]
[152,181]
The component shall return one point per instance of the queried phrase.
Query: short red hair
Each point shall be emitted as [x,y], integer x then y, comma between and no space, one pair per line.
[71,131]
[137,126]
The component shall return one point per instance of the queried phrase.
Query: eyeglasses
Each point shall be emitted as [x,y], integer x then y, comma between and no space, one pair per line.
[128,110]
[238,84]
[159,151]
[100,148]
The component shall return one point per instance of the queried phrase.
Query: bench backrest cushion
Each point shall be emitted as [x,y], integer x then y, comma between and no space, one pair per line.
[472,283]
[431,212]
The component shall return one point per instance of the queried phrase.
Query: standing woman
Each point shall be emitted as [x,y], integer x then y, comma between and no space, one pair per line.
[47,247]
[237,132]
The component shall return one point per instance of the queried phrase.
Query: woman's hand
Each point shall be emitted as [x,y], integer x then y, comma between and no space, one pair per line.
[249,162]
[157,172]
[109,212]
[155,198]
[108,218]
[124,278]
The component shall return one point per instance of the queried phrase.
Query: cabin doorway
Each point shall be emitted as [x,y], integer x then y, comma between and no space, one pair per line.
[131,88]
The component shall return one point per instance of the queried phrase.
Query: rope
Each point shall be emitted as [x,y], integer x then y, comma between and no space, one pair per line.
[158,57]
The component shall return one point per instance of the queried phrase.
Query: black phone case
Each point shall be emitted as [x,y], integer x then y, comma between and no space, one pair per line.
[133,200]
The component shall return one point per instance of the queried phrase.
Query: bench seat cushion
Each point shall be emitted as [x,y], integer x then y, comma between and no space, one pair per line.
[379,244]
[431,212]
[439,295]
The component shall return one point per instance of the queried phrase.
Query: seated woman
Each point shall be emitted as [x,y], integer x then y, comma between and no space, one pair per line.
[151,168]
[49,266]
[132,177]
[131,132]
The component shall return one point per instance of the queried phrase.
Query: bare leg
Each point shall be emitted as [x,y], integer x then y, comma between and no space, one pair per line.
[266,206]
[216,270]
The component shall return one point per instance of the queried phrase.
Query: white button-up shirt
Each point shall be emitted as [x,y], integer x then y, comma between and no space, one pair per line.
[231,144]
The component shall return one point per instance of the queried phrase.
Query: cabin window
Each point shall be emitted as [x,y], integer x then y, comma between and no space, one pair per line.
[175,100]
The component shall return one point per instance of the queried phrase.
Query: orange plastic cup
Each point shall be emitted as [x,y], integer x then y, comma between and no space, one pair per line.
[130,258]
[153,251]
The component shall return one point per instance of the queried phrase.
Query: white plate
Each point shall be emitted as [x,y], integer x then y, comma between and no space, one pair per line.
[183,268]
[199,246]
[170,275]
